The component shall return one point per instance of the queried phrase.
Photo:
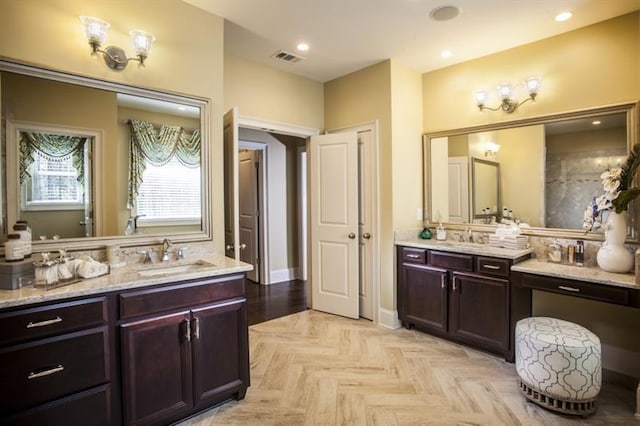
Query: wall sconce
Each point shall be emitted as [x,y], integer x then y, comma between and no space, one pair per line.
[491,149]
[96,31]
[505,90]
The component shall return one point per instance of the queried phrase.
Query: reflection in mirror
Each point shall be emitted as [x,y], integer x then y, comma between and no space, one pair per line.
[485,178]
[549,167]
[98,159]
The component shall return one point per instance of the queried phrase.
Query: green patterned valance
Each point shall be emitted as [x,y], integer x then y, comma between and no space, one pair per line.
[157,147]
[52,147]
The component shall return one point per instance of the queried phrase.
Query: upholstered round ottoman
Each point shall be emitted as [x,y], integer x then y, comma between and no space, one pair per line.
[558,363]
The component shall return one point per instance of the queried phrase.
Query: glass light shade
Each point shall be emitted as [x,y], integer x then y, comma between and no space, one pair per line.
[95,29]
[492,147]
[505,90]
[532,84]
[481,97]
[141,42]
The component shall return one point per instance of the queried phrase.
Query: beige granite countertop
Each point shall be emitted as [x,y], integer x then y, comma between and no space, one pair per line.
[122,279]
[463,247]
[571,272]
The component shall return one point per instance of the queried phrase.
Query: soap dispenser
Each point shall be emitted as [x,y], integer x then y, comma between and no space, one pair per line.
[441,233]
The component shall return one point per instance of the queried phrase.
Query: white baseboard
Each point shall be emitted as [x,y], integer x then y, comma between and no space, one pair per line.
[388,318]
[281,275]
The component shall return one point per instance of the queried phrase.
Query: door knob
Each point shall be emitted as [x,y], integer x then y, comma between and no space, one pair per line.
[366,235]
[243,246]
[229,247]
[352,235]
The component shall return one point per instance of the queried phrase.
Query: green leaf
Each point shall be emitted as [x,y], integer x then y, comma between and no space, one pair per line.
[630,167]
[621,203]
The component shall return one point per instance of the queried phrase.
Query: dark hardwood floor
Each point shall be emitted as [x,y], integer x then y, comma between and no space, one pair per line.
[266,302]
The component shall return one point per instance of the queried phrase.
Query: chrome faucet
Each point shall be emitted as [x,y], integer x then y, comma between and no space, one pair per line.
[166,246]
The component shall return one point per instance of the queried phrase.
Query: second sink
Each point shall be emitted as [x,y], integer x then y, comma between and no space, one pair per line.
[175,269]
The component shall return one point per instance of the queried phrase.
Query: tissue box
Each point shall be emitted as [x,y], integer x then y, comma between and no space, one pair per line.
[11,272]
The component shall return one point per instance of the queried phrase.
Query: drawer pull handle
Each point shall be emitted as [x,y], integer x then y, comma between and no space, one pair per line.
[443,283]
[196,328]
[494,267]
[413,256]
[48,372]
[187,328]
[573,289]
[44,323]
[455,283]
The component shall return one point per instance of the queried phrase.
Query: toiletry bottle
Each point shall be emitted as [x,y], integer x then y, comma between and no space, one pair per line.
[425,234]
[441,233]
[13,248]
[571,253]
[25,237]
[579,256]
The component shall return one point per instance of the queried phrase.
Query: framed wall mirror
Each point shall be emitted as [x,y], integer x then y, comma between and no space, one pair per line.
[548,170]
[89,161]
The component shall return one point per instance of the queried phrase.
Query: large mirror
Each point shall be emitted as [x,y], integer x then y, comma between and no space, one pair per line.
[88,160]
[542,171]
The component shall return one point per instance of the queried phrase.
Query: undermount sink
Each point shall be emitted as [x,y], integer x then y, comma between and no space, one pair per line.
[176,269]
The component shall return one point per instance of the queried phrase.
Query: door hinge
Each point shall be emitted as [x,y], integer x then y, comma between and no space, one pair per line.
[257,165]
[257,213]
[257,260]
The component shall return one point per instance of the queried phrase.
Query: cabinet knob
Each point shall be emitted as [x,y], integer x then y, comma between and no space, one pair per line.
[366,235]
[352,236]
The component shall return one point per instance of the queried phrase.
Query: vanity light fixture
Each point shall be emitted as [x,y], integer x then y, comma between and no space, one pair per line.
[506,92]
[96,31]
[491,149]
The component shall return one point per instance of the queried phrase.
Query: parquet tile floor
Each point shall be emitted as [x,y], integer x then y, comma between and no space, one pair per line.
[311,368]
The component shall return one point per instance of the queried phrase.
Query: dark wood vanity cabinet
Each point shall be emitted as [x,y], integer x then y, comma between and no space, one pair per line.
[55,364]
[147,356]
[177,362]
[461,297]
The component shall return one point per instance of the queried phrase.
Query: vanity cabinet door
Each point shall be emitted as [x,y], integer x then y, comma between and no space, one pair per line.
[480,311]
[424,297]
[156,368]
[220,351]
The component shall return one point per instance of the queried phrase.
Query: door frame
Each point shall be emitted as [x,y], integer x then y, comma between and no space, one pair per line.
[372,126]
[280,128]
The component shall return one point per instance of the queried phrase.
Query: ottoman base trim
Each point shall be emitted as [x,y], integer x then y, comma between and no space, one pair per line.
[579,408]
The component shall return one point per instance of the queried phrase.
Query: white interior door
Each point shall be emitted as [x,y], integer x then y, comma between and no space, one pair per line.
[248,163]
[231,220]
[333,217]
[459,189]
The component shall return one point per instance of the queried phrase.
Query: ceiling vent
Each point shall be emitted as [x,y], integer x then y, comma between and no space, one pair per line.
[283,56]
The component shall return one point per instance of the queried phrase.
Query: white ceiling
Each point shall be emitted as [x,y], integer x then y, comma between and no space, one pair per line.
[347,35]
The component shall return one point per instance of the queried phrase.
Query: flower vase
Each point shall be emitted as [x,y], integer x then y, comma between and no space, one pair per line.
[612,255]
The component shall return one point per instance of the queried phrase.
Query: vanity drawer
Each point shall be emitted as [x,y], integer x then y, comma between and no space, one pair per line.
[493,266]
[50,320]
[414,255]
[601,292]
[187,294]
[459,262]
[41,371]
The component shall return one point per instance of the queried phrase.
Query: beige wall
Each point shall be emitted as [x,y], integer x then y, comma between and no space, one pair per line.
[270,94]
[186,58]
[361,97]
[522,172]
[592,66]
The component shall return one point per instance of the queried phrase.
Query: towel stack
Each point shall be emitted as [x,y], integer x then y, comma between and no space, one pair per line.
[514,242]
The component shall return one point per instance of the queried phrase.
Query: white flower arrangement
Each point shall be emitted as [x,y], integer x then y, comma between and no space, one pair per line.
[618,191]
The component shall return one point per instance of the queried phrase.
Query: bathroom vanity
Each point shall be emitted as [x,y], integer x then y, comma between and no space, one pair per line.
[127,348]
[459,291]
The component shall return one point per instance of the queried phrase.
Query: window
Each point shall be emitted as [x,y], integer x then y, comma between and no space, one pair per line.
[169,195]
[53,185]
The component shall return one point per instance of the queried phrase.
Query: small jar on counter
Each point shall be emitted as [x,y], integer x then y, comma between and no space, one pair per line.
[25,236]
[14,248]
[555,252]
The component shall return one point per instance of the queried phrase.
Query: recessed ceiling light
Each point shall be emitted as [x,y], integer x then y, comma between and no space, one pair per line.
[563,16]
[596,122]
[303,47]
[446,54]
[444,13]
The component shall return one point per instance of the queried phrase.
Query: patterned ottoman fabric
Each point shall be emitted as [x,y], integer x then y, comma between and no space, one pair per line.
[559,360]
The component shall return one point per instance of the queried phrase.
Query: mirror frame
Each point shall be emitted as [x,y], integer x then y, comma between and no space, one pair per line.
[91,243]
[631,109]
